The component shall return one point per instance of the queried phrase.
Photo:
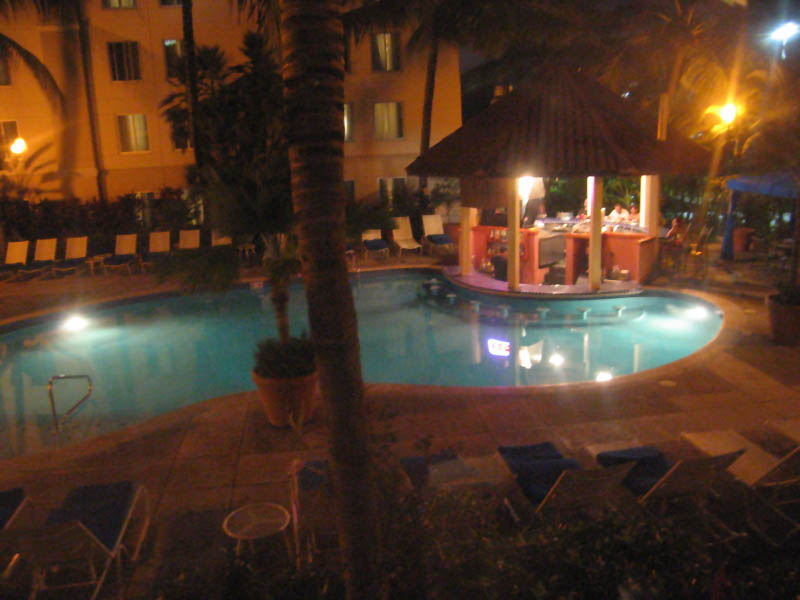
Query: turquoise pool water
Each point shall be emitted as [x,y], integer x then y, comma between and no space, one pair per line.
[150,357]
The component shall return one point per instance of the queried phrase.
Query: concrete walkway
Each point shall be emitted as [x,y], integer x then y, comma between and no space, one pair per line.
[205,460]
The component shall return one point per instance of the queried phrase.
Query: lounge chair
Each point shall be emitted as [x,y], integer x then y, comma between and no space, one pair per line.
[44,257]
[74,256]
[158,247]
[124,254]
[680,490]
[403,236]
[84,536]
[220,240]
[447,470]
[557,486]
[16,257]
[375,244]
[768,477]
[434,238]
[189,239]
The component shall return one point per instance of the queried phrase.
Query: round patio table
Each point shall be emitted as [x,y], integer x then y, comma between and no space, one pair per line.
[256,521]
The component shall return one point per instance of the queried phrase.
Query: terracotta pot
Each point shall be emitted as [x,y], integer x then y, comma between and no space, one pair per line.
[784,321]
[287,400]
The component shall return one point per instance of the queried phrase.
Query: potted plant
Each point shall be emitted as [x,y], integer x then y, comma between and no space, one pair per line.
[784,314]
[286,378]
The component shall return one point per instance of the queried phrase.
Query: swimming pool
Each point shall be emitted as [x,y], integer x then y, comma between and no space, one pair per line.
[150,357]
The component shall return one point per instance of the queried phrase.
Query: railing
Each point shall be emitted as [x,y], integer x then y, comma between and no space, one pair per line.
[56,423]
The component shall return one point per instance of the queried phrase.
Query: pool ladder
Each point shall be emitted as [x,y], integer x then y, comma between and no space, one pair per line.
[56,422]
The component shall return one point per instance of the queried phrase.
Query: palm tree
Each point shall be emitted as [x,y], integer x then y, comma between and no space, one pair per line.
[313,73]
[190,72]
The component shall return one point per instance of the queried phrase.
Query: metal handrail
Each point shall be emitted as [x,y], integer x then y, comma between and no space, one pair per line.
[54,378]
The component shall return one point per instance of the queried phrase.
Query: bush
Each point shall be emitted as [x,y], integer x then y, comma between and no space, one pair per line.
[276,360]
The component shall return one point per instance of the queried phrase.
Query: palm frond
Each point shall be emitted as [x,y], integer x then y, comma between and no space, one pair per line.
[37,68]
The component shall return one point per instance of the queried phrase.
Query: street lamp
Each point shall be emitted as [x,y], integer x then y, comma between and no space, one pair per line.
[783,34]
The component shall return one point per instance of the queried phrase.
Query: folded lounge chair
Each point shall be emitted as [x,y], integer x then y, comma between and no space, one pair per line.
[434,238]
[374,243]
[403,236]
[557,486]
[158,247]
[311,496]
[84,536]
[124,254]
[16,257]
[43,258]
[74,256]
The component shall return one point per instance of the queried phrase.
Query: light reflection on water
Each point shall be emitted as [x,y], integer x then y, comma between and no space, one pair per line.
[152,357]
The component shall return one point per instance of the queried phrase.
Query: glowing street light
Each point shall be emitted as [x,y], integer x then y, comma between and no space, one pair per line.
[728,113]
[783,34]
[18,146]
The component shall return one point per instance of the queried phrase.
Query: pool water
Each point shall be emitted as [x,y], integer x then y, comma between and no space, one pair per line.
[150,357]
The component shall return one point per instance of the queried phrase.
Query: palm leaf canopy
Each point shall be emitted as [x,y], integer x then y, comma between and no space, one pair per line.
[560,124]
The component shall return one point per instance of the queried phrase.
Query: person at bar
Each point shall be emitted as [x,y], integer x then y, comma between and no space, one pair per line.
[618,215]
[633,216]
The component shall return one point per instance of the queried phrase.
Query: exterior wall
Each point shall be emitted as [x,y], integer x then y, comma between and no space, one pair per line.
[367,159]
[61,147]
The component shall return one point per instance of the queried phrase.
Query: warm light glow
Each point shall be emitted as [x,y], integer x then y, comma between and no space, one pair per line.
[784,32]
[603,376]
[525,187]
[556,359]
[18,146]
[728,113]
[74,323]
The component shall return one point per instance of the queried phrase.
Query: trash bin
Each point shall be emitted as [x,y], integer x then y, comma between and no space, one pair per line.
[742,237]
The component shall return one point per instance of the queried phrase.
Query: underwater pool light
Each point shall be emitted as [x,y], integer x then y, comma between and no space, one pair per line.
[75,323]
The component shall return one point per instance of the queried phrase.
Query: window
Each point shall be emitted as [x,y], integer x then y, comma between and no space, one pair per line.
[388,121]
[133,133]
[173,53]
[124,58]
[385,52]
[348,121]
[8,133]
[119,3]
[5,73]
[390,189]
[349,191]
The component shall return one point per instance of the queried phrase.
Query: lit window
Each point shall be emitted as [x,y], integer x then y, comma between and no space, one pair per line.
[173,52]
[388,121]
[385,52]
[348,121]
[124,58]
[5,72]
[8,133]
[390,189]
[119,3]
[133,133]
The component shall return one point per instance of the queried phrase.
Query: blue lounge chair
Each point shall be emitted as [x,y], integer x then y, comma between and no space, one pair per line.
[124,254]
[16,257]
[557,486]
[681,489]
[434,238]
[89,527]
[74,256]
[158,248]
[44,257]
[375,244]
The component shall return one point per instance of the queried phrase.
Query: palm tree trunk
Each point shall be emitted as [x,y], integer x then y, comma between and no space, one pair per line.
[313,73]
[427,103]
[190,62]
[91,98]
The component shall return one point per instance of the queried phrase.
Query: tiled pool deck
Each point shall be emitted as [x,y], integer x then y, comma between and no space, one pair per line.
[202,461]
